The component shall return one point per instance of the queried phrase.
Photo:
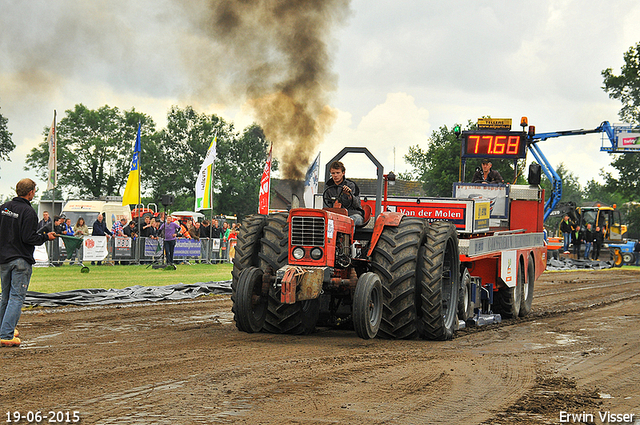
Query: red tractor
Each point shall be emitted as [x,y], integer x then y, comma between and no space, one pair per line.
[397,278]
[422,268]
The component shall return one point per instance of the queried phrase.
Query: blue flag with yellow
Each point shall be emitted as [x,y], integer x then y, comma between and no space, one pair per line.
[132,189]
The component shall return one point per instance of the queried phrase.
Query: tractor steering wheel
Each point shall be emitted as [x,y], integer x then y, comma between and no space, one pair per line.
[330,200]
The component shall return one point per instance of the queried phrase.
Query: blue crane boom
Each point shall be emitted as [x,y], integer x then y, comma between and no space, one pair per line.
[606,128]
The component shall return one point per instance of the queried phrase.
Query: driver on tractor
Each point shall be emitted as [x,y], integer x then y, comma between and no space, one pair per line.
[344,192]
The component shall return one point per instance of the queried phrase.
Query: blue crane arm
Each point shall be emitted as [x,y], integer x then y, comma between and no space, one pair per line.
[549,171]
[605,127]
[554,178]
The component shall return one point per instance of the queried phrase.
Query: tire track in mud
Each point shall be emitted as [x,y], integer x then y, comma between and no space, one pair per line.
[186,363]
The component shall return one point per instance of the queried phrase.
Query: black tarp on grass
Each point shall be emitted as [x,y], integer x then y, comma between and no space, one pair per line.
[571,264]
[126,295]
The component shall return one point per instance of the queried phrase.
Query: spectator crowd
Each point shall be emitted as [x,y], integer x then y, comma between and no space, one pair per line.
[153,226]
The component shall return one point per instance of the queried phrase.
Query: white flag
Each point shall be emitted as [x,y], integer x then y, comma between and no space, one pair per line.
[203,184]
[311,182]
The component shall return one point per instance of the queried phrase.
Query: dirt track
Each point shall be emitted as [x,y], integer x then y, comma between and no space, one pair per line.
[185,363]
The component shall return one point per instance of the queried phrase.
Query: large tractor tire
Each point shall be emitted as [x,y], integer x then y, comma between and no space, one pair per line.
[247,250]
[251,306]
[438,282]
[367,306]
[507,301]
[394,259]
[298,318]
[527,289]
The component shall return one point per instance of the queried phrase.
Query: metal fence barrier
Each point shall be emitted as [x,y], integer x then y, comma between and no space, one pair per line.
[124,250]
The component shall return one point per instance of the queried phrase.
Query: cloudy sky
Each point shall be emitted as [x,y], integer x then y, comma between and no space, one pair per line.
[395,70]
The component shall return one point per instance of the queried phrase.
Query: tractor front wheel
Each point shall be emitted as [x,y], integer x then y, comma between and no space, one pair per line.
[367,306]
[438,282]
[251,305]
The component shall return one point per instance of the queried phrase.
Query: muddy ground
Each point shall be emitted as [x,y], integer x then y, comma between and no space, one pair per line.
[185,363]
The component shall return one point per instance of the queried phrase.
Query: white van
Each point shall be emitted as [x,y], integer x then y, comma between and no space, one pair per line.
[89,210]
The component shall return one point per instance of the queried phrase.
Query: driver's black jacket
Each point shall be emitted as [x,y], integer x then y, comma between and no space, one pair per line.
[334,190]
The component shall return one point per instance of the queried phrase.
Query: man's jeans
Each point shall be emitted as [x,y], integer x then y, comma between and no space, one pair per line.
[587,250]
[567,241]
[15,277]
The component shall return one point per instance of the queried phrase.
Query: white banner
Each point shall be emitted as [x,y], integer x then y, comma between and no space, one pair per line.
[95,248]
[40,255]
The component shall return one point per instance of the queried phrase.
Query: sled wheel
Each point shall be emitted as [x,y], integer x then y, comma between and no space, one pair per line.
[367,306]
[507,300]
[527,289]
[465,304]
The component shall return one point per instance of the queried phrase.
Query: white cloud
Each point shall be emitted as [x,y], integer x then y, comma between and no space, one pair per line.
[395,124]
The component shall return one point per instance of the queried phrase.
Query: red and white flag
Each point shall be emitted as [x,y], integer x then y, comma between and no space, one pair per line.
[265,186]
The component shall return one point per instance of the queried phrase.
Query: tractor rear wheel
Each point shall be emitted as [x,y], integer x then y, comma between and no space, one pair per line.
[367,306]
[527,289]
[298,318]
[394,259]
[507,301]
[251,306]
[438,282]
[616,256]
[247,250]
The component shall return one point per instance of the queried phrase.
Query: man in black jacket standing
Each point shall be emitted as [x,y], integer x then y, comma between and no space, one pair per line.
[19,236]
[598,241]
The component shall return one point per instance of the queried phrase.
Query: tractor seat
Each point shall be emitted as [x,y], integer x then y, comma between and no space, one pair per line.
[367,214]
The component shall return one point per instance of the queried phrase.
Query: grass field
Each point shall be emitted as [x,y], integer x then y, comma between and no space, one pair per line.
[65,278]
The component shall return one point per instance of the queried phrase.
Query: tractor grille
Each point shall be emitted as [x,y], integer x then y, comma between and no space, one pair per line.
[307,231]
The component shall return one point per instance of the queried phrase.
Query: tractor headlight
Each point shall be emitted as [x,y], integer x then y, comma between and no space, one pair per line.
[298,253]
[316,253]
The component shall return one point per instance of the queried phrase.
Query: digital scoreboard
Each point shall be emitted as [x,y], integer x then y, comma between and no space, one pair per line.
[494,144]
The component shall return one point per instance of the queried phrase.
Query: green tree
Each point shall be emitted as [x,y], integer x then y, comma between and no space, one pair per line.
[605,193]
[571,189]
[627,183]
[238,170]
[179,152]
[95,148]
[6,145]
[626,88]
[438,167]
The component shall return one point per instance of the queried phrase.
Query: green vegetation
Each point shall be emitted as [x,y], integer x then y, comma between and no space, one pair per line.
[66,278]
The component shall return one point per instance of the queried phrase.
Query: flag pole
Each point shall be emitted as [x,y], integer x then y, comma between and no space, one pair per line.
[139,206]
[52,178]
[215,138]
